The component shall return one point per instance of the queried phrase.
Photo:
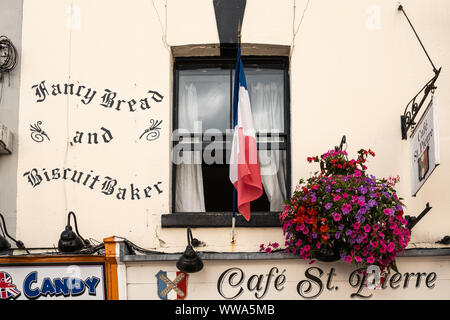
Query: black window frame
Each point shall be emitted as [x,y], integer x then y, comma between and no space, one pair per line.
[223,218]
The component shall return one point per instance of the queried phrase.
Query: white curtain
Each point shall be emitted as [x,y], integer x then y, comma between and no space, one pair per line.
[189,195]
[266,99]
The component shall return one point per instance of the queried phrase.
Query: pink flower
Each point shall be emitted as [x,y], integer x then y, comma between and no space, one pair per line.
[299,242]
[358,259]
[318,245]
[387,211]
[357,173]
[348,259]
[345,196]
[371,259]
[391,247]
[336,216]
[374,244]
[383,249]
[346,208]
[307,248]
[367,228]
[337,198]
[268,250]
[356,225]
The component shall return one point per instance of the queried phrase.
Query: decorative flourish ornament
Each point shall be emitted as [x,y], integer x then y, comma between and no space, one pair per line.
[37,134]
[152,132]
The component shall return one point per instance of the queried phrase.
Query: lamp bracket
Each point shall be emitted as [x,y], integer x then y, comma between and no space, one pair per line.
[412,221]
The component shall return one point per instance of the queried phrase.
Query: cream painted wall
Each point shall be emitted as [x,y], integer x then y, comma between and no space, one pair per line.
[346,78]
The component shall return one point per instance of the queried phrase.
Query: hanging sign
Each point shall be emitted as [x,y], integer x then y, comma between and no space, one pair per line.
[25,282]
[424,148]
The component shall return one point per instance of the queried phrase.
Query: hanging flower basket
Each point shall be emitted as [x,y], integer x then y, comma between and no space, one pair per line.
[341,212]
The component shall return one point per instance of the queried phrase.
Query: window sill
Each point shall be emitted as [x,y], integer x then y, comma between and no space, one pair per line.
[219,220]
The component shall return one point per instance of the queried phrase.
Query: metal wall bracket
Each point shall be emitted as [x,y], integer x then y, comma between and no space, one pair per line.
[412,221]
[413,107]
[415,104]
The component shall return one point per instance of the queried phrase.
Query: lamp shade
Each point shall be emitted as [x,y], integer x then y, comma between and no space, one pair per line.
[190,262]
[69,241]
[4,244]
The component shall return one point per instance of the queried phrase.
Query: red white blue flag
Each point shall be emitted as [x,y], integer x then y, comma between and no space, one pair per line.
[244,166]
[172,285]
[7,288]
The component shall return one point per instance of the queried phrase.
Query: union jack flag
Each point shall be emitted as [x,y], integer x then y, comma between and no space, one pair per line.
[7,289]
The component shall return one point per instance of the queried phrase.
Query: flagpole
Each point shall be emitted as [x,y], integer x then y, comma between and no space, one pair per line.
[233,220]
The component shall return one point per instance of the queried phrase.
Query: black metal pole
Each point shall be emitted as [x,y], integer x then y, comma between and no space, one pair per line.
[400,8]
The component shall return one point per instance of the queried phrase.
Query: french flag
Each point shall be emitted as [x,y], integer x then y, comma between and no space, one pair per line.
[244,166]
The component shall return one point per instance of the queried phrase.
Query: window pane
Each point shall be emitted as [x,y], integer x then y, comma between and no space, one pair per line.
[204,95]
[266,92]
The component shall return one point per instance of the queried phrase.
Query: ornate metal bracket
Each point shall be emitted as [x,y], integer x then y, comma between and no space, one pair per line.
[412,221]
[415,104]
[413,107]
[343,141]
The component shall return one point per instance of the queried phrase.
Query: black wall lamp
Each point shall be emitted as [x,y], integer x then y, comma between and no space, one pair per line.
[190,261]
[4,244]
[70,241]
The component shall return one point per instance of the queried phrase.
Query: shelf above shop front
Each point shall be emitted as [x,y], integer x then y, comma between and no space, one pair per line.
[218,220]
[125,256]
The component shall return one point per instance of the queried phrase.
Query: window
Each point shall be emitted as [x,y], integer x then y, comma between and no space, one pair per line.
[203,95]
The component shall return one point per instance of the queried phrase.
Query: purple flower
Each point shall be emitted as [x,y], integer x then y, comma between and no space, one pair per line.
[337,235]
[348,232]
[338,190]
[362,190]
[341,227]
[372,203]
[328,188]
[387,195]
[314,235]
[328,205]
[362,210]
[359,239]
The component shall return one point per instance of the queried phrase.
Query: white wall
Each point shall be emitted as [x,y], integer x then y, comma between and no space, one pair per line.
[346,78]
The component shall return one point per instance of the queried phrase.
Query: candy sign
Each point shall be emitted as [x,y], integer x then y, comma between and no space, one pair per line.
[85,282]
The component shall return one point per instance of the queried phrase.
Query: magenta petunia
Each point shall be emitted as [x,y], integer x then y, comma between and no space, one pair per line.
[371,259]
[336,216]
[337,198]
[387,211]
[367,228]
